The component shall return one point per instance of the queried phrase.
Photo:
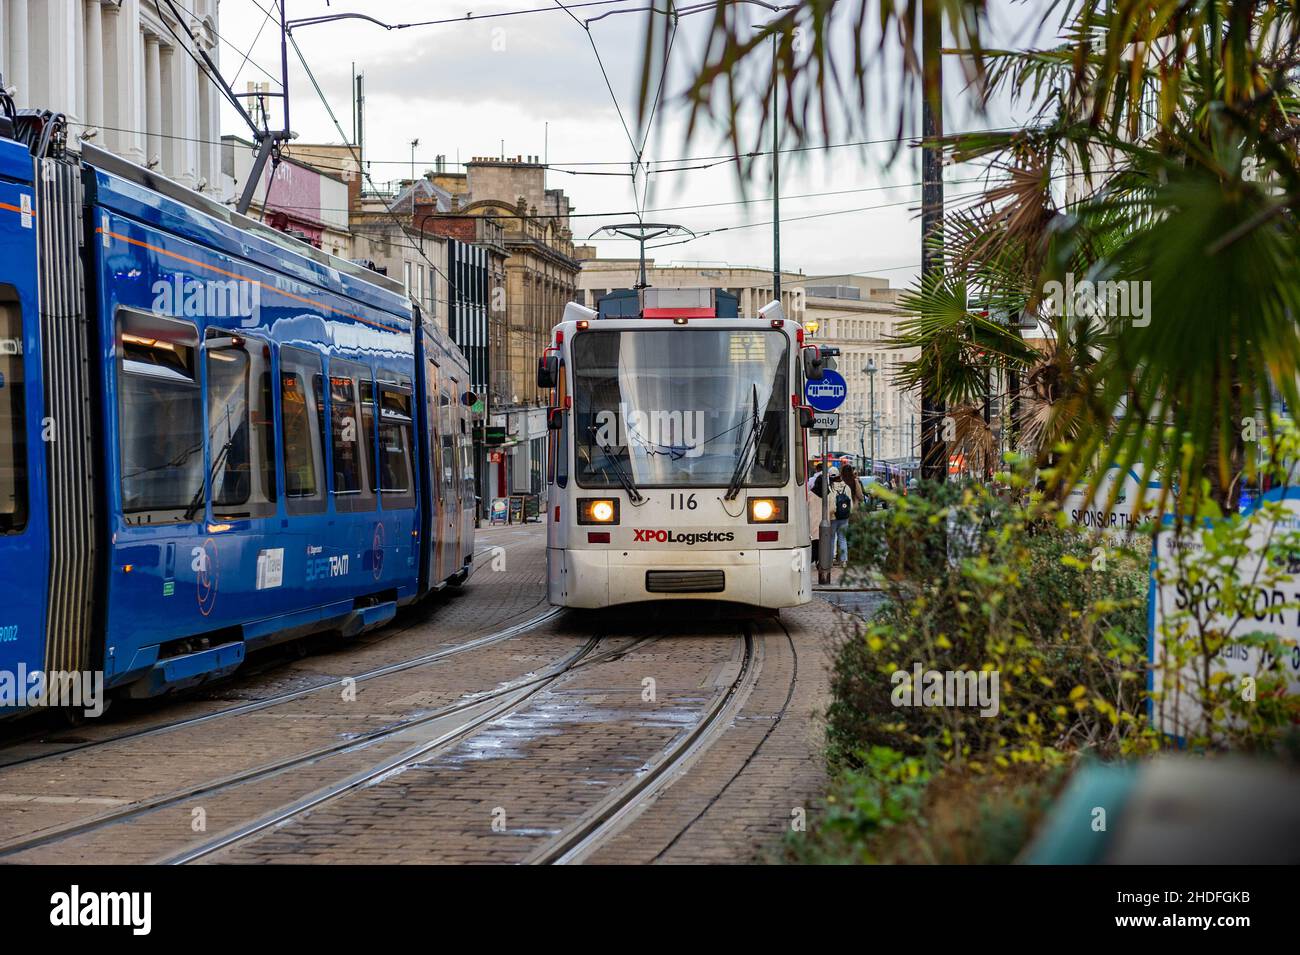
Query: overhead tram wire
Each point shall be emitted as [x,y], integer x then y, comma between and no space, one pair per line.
[601,63]
[357,159]
[654,109]
[804,218]
[203,62]
[553,166]
[247,57]
[699,205]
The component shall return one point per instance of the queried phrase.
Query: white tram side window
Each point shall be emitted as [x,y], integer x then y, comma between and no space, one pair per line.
[13,417]
[397,482]
[241,429]
[352,436]
[469,488]
[449,466]
[300,437]
[160,411]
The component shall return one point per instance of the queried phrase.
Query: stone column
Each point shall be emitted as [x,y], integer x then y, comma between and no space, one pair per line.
[152,99]
[123,112]
[16,74]
[167,110]
[95,67]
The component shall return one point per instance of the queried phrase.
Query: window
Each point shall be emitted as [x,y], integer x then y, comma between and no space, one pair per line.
[304,465]
[449,465]
[558,460]
[670,409]
[537,450]
[13,417]
[352,436]
[161,412]
[241,426]
[467,470]
[396,482]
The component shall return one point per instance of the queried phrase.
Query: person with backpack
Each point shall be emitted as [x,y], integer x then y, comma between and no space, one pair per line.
[814,496]
[845,495]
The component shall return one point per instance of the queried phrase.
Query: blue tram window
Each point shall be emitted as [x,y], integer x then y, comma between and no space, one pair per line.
[449,463]
[161,419]
[13,419]
[242,474]
[351,436]
[397,484]
[304,455]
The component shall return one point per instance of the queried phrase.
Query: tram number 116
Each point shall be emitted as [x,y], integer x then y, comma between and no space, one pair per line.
[682,502]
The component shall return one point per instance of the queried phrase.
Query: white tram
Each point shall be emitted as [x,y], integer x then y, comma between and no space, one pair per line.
[677,454]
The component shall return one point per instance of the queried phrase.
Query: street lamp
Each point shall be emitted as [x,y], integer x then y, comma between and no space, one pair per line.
[870,372]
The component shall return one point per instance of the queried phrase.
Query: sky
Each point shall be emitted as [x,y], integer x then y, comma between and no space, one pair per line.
[532,84]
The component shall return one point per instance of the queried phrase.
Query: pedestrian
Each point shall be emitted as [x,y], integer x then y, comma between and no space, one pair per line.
[849,475]
[814,496]
[843,501]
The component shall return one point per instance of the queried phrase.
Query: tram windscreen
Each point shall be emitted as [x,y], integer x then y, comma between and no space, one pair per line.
[681,407]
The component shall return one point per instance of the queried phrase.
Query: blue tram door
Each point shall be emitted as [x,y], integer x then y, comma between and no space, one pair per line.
[24,529]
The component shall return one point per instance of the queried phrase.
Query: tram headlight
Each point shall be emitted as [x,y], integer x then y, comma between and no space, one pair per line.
[767,510]
[597,510]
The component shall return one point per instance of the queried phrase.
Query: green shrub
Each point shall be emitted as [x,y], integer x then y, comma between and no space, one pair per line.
[976,584]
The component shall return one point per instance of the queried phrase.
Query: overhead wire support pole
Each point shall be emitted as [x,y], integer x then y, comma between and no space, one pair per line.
[641,231]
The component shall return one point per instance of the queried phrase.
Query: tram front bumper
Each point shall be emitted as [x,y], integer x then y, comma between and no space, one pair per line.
[600,578]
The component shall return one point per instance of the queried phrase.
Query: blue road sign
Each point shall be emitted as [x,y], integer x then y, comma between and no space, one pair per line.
[828,393]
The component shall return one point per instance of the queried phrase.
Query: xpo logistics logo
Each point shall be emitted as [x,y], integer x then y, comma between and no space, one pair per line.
[644,535]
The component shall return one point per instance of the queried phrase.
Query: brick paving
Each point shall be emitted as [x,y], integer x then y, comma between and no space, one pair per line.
[501,793]
[737,800]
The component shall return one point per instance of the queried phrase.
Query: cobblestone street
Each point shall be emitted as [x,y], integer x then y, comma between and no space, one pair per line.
[483,727]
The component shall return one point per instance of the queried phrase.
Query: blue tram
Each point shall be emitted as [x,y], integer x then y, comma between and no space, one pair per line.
[212,437]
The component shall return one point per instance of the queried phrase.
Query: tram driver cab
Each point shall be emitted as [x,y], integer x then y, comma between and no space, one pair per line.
[677,452]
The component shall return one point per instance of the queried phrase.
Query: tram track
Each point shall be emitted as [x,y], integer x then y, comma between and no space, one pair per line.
[529,684]
[612,814]
[252,706]
[510,698]
[290,789]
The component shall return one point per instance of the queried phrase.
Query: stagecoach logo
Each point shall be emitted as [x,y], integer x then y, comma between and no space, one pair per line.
[646,535]
[181,296]
[678,434]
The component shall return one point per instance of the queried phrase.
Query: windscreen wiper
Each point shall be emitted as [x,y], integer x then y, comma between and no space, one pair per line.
[753,439]
[623,479]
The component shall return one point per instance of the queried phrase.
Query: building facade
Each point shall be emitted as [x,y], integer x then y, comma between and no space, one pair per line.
[539,277]
[119,72]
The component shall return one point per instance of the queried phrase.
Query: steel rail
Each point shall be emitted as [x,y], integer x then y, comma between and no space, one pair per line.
[395,763]
[606,818]
[254,705]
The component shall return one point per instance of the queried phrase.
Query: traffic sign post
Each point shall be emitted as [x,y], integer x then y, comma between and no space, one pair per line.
[825,394]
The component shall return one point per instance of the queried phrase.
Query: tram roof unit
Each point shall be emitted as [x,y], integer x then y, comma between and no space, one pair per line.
[143,195]
[668,303]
